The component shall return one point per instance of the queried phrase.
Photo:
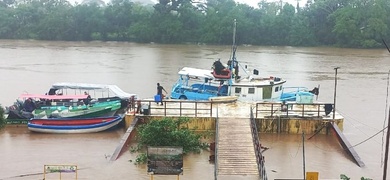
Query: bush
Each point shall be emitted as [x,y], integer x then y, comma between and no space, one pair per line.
[168,132]
[2,118]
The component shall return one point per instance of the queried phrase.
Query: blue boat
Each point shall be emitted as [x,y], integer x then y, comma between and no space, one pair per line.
[224,80]
[197,84]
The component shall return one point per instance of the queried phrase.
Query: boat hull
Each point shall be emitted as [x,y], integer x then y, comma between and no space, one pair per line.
[73,125]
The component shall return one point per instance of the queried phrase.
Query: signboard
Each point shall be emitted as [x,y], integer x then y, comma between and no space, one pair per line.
[165,160]
[59,169]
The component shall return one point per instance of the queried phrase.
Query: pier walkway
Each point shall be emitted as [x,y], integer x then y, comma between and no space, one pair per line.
[236,158]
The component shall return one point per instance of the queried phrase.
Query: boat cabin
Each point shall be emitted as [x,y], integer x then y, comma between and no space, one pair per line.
[257,89]
[200,84]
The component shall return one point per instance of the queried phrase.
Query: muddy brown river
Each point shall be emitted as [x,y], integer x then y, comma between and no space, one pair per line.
[32,66]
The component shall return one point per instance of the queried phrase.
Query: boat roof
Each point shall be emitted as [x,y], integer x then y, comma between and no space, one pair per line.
[204,73]
[53,97]
[86,86]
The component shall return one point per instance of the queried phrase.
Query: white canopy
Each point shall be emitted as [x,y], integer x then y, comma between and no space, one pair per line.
[103,87]
[203,73]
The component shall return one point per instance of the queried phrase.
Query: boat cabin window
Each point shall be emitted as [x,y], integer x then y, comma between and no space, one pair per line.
[237,90]
[278,88]
[251,91]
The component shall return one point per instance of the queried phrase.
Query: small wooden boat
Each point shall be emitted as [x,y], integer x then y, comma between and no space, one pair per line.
[224,74]
[73,125]
[224,99]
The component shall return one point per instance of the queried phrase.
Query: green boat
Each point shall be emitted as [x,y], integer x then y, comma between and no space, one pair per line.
[94,110]
[61,106]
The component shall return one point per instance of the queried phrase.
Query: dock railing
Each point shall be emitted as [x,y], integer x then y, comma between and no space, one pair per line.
[271,109]
[175,108]
[257,145]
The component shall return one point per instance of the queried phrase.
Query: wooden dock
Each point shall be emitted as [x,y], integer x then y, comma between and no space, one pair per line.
[236,157]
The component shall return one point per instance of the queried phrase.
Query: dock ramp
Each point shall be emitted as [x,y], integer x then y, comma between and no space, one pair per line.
[125,139]
[236,157]
[346,145]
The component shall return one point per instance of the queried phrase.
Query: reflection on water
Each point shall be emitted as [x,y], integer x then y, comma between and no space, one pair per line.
[32,66]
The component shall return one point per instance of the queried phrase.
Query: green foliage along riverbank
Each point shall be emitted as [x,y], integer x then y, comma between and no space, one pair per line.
[345,23]
[2,118]
[168,132]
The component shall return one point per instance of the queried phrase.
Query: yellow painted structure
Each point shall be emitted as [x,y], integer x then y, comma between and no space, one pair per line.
[264,125]
[312,175]
[294,125]
[128,120]
[198,123]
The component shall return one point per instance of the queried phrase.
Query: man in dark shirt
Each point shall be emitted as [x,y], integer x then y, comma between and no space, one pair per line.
[88,100]
[159,92]
[29,105]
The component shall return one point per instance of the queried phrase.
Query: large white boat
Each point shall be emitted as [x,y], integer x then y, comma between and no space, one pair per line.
[225,80]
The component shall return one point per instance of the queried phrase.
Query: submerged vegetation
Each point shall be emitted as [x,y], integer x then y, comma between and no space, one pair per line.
[168,132]
[346,23]
[344,177]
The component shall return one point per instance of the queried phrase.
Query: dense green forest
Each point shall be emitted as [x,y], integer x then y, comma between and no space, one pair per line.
[343,23]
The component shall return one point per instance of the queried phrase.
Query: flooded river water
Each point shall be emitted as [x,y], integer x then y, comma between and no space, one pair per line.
[32,66]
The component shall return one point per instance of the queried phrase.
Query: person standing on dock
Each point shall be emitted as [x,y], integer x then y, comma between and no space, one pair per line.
[159,92]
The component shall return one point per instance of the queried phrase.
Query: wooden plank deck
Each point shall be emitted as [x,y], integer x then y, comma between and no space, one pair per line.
[236,155]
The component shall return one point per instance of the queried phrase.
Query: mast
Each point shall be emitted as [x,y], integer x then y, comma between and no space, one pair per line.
[234,32]
[234,47]
[233,60]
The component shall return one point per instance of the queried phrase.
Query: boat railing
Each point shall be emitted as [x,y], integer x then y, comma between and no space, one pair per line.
[257,145]
[176,108]
[292,109]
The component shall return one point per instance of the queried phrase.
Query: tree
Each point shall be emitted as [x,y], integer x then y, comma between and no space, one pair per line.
[88,22]
[56,20]
[361,24]
[119,17]
[318,14]
[7,23]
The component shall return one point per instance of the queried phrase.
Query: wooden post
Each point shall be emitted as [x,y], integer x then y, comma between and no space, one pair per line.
[44,172]
[334,97]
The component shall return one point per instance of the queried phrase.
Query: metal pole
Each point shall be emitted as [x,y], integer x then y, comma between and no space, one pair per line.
[303,148]
[386,149]
[334,97]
